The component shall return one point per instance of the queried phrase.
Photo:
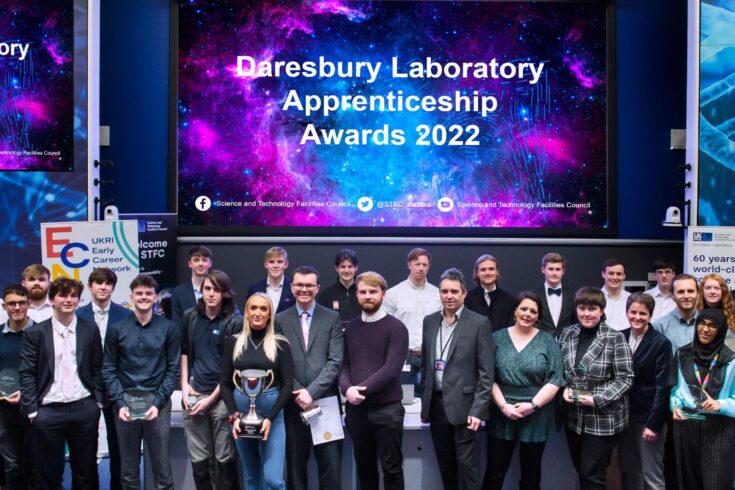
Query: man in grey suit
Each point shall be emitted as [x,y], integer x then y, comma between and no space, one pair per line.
[458,369]
[316,338]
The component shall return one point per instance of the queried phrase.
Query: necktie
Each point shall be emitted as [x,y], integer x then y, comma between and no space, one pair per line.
[556,291]
[487,298]
[67,365]
[305,327]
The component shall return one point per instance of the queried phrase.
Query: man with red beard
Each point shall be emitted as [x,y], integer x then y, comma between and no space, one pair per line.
[370,379]
[37,279]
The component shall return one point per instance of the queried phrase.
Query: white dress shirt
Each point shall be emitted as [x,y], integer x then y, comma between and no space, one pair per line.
[40,313]
[665,303]
[101,317]
[55,393]
[554,302]
[615,313]
[274,293]
[410,304]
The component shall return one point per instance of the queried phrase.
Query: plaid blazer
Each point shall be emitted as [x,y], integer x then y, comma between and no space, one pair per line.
[607,368]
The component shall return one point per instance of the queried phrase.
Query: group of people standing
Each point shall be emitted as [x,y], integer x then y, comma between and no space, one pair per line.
[523,365]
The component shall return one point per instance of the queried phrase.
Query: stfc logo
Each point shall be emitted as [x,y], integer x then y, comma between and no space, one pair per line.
[702,237]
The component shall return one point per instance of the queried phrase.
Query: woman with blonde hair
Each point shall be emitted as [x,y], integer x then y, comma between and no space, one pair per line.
[716,294]
[259,347]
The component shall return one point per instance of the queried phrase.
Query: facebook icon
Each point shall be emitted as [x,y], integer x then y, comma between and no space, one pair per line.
[202,203]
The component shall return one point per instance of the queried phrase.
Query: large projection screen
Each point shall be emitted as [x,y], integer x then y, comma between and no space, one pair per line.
[396,117]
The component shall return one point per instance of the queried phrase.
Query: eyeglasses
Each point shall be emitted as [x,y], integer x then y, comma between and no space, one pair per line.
[304,286]
[15,304]
[708,326]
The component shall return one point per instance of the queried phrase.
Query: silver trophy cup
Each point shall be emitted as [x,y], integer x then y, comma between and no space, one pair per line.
[252,382]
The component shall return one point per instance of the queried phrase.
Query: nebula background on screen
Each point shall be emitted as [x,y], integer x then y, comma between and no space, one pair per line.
[545,143]
[37,92]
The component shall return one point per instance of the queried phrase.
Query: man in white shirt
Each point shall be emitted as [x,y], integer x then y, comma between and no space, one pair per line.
[61,389]
[410,301]
[662,292]
[613,272]
[36,279]
[103,312]
[276,285]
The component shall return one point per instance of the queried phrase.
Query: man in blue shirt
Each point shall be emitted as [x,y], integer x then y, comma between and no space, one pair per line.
[141,360]
[678,326]
[13,426]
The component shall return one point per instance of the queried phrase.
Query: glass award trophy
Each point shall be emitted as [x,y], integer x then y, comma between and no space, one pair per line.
[9,382]
[578,383]
[252,382]
[138,402]
[696,412]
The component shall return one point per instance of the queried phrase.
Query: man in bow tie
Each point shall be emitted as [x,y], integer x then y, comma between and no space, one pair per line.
[558,301]
[103,312]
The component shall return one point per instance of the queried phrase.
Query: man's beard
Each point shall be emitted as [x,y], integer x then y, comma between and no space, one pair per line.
[370,308]
[37,294]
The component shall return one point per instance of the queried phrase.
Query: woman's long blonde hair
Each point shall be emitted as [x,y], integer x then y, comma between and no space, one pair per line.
[270,341]
[727,304]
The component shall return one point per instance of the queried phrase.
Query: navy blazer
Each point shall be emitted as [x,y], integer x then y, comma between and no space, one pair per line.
[649,396]
[182,298]
[37,362]
[568,315]
[287,299]
[117,313]
[501,309]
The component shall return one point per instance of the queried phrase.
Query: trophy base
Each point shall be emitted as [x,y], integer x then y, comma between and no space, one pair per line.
[578,393]
[250,430]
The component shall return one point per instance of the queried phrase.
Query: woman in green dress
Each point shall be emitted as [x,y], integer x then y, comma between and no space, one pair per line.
[528,373]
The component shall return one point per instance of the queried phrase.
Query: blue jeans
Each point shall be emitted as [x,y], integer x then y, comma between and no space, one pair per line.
[263,462]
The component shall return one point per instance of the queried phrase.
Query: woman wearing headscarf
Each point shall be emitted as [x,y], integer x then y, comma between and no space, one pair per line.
[703,406]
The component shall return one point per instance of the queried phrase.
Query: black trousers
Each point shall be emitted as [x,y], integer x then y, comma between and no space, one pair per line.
[705,452]
[112,447]
[456,447]
[499,456]
[298,448]
[75,424]
[591,456]
[14,450]
[377,435]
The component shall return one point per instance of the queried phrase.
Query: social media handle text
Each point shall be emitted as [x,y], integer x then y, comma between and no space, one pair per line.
[426,135]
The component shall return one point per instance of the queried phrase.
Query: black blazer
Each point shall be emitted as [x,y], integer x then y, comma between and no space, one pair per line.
[287,299]
[649,396]
[37,362]
[182,298]
[469,372]
[568,315]
[500,311]
[117,313]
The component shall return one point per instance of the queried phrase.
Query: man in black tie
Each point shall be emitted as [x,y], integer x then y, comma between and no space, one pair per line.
[558,301]
[487,298]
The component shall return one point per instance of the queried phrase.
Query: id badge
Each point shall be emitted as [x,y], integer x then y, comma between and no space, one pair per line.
[439,365]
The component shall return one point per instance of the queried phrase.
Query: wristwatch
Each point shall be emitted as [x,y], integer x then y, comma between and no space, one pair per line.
[534,406]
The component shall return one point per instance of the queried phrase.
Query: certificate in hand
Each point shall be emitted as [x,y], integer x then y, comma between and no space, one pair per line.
[328,427]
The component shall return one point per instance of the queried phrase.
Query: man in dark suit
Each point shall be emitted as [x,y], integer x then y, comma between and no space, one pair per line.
[103,312]
[558,301]
[186,294]
[276,285]
[61,389]
[317,344]
[487,298]
[458,370]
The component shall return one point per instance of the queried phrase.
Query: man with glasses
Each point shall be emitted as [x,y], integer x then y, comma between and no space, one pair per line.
[661,292]
[316,338]
[14,427]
